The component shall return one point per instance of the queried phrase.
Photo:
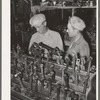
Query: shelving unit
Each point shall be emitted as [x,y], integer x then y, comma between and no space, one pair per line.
[62,7]
[43,8]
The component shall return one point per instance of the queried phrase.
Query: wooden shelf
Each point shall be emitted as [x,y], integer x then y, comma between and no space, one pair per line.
[67,7]
[41,8]
[44,8]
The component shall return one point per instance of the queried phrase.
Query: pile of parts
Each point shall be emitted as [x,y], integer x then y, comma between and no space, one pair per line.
[36,77]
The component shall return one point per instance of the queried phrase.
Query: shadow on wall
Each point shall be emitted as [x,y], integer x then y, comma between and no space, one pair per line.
[55,17]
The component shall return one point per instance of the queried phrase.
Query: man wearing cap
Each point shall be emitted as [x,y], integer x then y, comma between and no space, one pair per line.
[78,44]
[44,34]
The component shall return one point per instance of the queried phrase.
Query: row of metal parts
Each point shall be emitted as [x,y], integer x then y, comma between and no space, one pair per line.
[58,93]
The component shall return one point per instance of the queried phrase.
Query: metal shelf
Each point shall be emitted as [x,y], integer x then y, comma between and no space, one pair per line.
[43,8]
[67,7]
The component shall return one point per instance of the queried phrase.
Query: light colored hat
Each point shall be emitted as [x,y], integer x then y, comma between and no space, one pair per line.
[37,20]
[77,23]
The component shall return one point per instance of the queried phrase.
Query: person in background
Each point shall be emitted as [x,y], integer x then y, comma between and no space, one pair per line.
[78,44]
[44,34]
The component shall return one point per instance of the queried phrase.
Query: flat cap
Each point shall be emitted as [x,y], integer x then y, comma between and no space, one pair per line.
[77,23]
[37,20]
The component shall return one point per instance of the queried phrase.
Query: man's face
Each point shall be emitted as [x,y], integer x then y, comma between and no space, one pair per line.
[40,27]
[71,30]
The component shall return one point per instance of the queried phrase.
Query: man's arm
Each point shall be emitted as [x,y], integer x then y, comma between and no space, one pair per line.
[85,51]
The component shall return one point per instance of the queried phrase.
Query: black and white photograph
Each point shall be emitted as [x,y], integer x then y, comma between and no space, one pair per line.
[53,49]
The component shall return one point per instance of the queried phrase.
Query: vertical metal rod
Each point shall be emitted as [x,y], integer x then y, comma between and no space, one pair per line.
[36,86]
[88,75]
[74,63]
[89,65]
[31,78]
[63,75]
[62,14]
[26,66]
[58,91]
[73,11]
[65,94]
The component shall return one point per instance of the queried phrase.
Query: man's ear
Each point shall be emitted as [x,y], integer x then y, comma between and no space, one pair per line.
[45,23]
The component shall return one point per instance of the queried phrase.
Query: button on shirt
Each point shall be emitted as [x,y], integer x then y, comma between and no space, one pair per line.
[80,46]
[50,38]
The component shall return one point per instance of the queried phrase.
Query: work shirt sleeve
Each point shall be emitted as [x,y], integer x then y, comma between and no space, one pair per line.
[85,51]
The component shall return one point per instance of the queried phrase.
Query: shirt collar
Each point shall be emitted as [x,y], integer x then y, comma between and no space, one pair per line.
[79,40]
[45,33]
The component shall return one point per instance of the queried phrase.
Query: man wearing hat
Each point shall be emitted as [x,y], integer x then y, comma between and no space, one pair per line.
[44,34]
[78,44]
